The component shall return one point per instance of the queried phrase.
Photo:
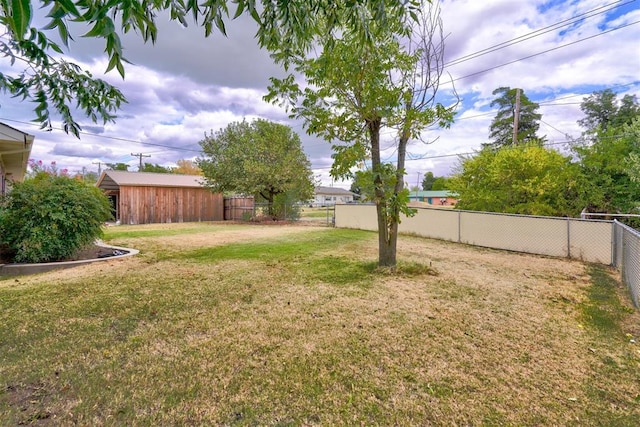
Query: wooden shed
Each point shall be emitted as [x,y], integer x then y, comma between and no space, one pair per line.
[145,198]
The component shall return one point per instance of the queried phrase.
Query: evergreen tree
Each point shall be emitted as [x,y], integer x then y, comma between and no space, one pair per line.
[427,181]
[501,129]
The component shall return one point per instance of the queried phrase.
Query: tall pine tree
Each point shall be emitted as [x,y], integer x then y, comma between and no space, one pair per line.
[501,129]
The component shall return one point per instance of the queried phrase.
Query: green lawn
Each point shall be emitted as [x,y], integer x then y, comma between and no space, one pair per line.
[267,325]
[326,212]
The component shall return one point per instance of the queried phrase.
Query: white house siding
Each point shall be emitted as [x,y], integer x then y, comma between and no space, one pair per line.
[329,196]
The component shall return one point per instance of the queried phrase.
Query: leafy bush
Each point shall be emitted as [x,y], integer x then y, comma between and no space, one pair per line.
[285,207]
[50,218]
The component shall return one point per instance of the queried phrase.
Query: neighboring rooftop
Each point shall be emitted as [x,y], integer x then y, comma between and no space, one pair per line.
[112,180]
[333,191]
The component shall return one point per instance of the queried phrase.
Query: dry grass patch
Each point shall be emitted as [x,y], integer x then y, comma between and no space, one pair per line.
[251,326]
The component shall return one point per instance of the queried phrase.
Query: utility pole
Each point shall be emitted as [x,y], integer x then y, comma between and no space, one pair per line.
[417,186]
[516,116]
[140,155]
[99,166]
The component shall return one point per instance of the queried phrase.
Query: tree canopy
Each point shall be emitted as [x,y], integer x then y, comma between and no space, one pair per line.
[428,180]
[607,159]
[602,175]
[118,166]
[364,181]
[603,110]
[58,87]
[441,183]
[501,129]
[155,168]
[186,167]
[606,153]
[355,89]
[261,158]
[524,179]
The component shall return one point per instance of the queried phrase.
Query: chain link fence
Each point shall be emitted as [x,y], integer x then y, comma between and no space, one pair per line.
[318,215]
[600,241]
[587,240]
[261,212]
[240,208]
[251,211]
[626,258]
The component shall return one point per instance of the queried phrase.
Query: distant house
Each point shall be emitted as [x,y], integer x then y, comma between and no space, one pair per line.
[436,198]
[145,198]
[15,149]
[328,196]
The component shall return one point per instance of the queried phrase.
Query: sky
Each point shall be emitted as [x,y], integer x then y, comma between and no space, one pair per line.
[186,85]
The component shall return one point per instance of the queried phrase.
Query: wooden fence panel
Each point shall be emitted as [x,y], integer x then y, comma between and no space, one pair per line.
[236,207]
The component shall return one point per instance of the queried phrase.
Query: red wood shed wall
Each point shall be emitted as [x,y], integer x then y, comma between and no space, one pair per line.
[147,205]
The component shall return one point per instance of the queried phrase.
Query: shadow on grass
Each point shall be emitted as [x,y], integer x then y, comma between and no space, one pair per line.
[326,257]
[606,317]
[603,310]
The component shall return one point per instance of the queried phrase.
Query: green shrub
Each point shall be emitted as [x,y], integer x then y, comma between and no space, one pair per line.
[285,207]
[50,218]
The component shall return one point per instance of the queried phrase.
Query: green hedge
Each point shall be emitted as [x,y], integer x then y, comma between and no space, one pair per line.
[50,218]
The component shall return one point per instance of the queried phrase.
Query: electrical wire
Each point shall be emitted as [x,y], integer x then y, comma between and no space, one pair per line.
[465,58]
[554,128]
[470,153]
[113,138]
[538,32]
[543,52]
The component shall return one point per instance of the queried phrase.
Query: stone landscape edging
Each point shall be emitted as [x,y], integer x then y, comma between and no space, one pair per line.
[25,269]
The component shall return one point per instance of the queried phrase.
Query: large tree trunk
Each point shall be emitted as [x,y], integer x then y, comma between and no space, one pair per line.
[393,216]
[269,198]
[387,239]
[387,235]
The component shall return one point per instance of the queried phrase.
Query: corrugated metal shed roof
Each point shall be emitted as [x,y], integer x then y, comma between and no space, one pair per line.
[111,180]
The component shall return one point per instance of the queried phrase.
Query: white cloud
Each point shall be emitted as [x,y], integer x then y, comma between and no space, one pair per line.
[187,85]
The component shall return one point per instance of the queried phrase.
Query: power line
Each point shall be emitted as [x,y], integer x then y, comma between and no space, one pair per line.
[549,103]
[114,138]
[99,166]
[544,51]
[469,153]
[538,32]
[635,83]
[140,155]
[555,128]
